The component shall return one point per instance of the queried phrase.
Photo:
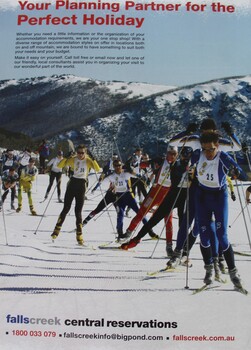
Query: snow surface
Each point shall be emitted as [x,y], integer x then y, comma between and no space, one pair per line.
[42,279]
[206,91]
[133,89]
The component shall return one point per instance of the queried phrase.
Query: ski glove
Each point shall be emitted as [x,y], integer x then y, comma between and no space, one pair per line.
[233,197]
[235,173]
[70,154]
[244,147]
[191,128]
[227,127]
[90,155]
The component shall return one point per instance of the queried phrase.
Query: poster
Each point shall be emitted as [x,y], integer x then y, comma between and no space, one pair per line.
[59,295]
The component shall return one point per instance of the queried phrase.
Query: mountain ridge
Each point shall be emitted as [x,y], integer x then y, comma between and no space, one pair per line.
[104,114]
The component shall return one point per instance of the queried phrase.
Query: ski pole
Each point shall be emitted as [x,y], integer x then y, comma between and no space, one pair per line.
[45,210]
[97,195]
[248,159]
[4,222]
[103,197]
[92,186]
[230,226]
[243,193]
[244,217]
[242,211]
[187,229]
[117,148]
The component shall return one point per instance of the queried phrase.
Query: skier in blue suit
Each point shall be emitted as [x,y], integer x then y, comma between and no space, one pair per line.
[184,138]
[212,168]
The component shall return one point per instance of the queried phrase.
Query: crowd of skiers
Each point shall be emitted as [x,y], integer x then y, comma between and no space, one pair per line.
[18,172]
[194,176]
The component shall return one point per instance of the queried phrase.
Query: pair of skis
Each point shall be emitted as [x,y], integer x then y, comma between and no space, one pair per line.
[169,268]
[202,288]
[210,286]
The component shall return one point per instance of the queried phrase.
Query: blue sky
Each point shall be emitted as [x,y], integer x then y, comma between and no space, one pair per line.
[181,48]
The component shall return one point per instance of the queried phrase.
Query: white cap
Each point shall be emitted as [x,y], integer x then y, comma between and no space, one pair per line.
[172,149]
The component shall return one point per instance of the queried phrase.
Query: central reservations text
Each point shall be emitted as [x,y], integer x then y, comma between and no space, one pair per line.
[87,322]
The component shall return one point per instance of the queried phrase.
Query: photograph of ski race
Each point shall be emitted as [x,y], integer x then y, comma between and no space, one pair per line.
[142,213]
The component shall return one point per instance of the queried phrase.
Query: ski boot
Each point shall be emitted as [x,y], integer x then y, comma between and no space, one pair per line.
[169,249]
[124,236]
[185,261]
[127,234]
[56,232]
[60,200]
[235,278]
[79,235]
[216,268]
[131,244]
[33,212]
[153,235]
[209,274]
[175,259]
[121,235]
[222,265]
[19,208]
[87,219]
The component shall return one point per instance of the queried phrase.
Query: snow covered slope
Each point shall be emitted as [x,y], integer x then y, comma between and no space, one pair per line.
[135,114]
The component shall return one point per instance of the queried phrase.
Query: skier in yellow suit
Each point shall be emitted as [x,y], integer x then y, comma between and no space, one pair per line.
[27,176]
[80,164]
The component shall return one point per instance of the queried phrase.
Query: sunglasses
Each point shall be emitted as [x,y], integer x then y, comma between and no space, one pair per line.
[209,150]
[117,165]
[81,152]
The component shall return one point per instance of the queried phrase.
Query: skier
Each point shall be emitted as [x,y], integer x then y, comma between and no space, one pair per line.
[23,159]
[120,181]
[28,175]
[207,124]
[147,174]
[248,194]
[9,160]
[218,258]
[80,164]
[175,198]
[137,183]
[212,166]
[157,193]
[9,180]
[110,195]
[55,173]
[44,152]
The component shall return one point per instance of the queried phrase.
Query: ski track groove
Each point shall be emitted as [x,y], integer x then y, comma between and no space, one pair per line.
[52,289]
